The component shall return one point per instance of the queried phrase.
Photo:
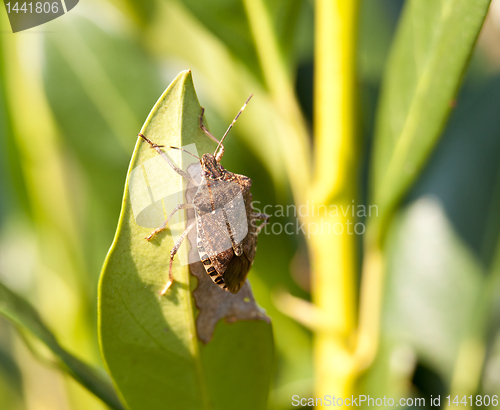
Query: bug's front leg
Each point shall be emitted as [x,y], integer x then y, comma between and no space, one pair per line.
[261,217]
[158,148]
[165,223]
[174,250]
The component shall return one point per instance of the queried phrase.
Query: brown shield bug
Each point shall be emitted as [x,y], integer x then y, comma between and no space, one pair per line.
[224,218]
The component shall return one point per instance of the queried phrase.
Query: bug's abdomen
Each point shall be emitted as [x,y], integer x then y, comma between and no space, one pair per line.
[226,238]
[236,273]
[207,261]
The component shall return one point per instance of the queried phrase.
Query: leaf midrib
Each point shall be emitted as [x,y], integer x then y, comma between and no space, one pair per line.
[190,308]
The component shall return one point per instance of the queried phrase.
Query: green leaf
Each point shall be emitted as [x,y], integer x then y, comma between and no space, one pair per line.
[24,316]
[433,287]
[150,342]
[432,47]
[433,283]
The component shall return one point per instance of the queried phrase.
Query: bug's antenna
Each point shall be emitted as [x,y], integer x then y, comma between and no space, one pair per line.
[187,152]
[219,155]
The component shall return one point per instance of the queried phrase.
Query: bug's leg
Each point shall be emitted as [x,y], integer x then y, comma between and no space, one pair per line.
[261,217]
[186,151]
[157,148]
[165,223]
[204,129]
[174,250]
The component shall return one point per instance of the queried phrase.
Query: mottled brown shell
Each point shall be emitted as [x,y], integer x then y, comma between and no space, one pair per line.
[226,258]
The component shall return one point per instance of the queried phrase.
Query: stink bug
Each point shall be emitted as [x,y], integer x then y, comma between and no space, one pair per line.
[224,218]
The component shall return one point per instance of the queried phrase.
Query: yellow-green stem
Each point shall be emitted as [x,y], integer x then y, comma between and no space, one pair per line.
[333,250]
[335,96]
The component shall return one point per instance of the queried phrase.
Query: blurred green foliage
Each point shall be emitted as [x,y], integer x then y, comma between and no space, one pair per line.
[74,93]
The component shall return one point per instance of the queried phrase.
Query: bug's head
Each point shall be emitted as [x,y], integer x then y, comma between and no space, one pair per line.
[211,167]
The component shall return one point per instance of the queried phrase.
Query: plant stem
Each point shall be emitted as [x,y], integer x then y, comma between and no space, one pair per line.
[335,184]
[334,96]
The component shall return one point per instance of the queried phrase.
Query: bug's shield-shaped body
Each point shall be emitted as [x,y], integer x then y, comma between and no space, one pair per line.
[225,221]
[226,232]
